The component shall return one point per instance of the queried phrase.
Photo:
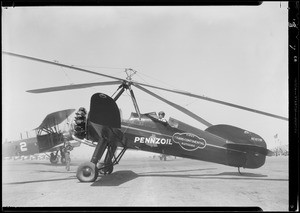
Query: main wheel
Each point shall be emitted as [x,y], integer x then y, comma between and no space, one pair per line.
[87,172]
[53,160]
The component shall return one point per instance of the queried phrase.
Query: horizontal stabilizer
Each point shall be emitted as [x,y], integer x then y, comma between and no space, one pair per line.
[247,148]
[240,139]
[237,135]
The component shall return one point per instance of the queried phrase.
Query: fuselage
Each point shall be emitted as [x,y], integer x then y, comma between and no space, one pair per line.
[40,144]
[21,147]
[179,139]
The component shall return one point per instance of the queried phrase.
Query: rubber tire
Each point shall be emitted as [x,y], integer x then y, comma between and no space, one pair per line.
[91,172]
[54,161]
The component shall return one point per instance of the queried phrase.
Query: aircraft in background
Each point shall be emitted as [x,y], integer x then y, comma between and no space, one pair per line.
[50,137]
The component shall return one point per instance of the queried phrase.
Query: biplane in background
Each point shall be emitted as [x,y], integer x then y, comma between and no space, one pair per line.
[106,130]
[49,138]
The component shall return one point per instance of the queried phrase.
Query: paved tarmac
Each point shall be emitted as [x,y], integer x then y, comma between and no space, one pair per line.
[141,180]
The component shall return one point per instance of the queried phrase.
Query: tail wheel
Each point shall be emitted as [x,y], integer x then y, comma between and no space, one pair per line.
[87,172]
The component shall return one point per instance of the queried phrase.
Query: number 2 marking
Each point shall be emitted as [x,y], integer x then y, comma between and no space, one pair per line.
[23,146]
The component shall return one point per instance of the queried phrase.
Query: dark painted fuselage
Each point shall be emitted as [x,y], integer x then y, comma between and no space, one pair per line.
[179,139]
[21,147]
[41,143]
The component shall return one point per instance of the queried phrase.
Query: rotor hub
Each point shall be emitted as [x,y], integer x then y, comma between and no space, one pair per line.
[130,72]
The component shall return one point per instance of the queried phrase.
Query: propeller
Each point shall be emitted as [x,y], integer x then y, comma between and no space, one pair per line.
[138,85]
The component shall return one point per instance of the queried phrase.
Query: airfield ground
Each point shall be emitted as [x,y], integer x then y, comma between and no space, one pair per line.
[141,180]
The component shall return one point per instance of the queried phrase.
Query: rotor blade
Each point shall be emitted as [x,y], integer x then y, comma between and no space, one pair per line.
[180,108]
[214,100]
[73,86]
[60,65]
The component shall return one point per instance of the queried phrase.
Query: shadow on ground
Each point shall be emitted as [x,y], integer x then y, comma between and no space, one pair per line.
[116,178]
[51,165]
[72,177]
[121,177]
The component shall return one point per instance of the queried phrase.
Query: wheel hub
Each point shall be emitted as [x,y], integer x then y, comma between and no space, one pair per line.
[87,172]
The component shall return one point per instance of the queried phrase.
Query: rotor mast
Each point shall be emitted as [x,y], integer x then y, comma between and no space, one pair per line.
[130,72]
[127,85]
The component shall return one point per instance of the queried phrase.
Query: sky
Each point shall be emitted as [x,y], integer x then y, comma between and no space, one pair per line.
[237,54]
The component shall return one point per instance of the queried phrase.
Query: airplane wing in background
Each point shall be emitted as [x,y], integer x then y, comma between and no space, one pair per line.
[55,118]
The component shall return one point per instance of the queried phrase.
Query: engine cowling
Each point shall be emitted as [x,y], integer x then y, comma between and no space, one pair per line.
[104,113]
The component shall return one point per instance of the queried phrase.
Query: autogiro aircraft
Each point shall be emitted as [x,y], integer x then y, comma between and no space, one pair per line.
[105,130]
[49,138]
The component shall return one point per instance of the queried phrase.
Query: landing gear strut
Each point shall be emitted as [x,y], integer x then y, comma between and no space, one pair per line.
[63,157]
[102,126]
[88,172]
[239,170]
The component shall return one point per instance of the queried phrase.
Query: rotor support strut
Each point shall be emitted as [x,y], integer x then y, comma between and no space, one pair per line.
[122,87]
[135,103]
